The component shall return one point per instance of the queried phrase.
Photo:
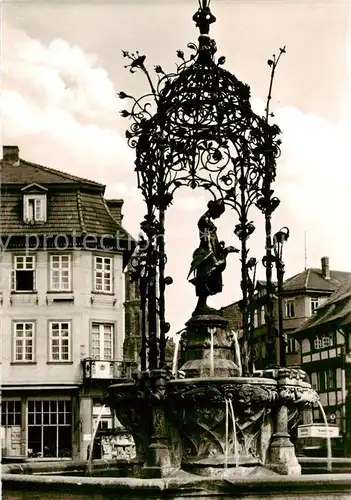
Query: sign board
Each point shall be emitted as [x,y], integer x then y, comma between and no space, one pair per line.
[317,431]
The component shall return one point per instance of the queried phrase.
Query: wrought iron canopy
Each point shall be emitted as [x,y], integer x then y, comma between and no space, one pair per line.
[196,128]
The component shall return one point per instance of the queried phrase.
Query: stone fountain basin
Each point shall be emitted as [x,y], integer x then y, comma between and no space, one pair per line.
[197,408]
[30,487]
[221,381]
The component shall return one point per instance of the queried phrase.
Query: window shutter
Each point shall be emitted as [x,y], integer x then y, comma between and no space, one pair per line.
[25,209]
[38,210]
[34,280]
[13,280]
[94,272]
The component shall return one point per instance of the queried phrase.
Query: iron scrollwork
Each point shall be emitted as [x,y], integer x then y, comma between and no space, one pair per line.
[195,128]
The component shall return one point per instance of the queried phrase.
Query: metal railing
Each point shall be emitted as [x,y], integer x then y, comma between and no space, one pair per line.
[107,369]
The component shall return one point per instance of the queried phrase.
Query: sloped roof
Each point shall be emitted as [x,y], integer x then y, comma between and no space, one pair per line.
[24,172]
[75,205]
[336,310]
[313,279]
[71,212]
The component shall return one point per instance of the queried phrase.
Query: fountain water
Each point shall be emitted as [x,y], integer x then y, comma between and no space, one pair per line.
[329,450]
[89,469]
[236,451]
[237,352]
[212,332]
[226,449]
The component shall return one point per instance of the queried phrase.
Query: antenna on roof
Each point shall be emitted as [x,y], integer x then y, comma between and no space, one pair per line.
[305,250]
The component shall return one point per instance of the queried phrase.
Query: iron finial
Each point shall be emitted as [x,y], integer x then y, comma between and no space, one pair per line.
[204,17]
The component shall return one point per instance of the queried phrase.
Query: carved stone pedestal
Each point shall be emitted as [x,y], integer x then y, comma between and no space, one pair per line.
[208,348]
[282,457]
[161,457]
[293,392]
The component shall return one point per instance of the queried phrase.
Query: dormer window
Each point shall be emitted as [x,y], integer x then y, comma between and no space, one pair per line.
[35,208]
[34,204]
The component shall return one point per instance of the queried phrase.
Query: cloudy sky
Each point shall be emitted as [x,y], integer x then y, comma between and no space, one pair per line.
[63,66]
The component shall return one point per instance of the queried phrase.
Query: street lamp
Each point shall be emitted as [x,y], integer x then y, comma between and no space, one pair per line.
[278,242]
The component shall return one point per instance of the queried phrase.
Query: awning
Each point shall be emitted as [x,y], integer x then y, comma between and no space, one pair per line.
[37,387]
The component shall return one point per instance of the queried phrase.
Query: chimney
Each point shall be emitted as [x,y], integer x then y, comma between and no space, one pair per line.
[325,268]
[10,154]
[115,207]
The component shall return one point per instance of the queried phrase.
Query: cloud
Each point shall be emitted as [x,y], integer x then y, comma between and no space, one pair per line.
[55,98]
[313,171]
[60,75]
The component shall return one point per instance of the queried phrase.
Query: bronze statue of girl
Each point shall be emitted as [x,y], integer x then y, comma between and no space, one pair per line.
[209,259]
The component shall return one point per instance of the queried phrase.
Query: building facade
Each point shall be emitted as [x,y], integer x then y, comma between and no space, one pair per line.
[63,252]
[133,320]
[325,340]
[301,296]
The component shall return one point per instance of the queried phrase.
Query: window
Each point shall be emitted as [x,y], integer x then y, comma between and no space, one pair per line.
[327,341]
[49,428]
[103,415]
[255,319]
[10,413]
[323,342]
[23,341]
[316,415]
[60,341]
[34,208]
[11,420]
[339,377]
[322,379]
[262,318]
[317,343]
[314,304]
[290,308]
[292,346]
[60,273]
[102,341]
[331,380]
[103,274]
[314,381]
[24,274]
[305,346]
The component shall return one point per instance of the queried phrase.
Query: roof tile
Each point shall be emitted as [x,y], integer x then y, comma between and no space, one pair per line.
[79,209]
[26,173]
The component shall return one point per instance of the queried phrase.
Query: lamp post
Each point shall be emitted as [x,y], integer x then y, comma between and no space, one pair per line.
[278,242]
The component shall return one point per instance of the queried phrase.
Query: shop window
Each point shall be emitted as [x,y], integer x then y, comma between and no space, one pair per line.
[10,413]
[49,428]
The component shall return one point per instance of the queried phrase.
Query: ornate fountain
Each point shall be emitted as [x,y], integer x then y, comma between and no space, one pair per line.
[215,416]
